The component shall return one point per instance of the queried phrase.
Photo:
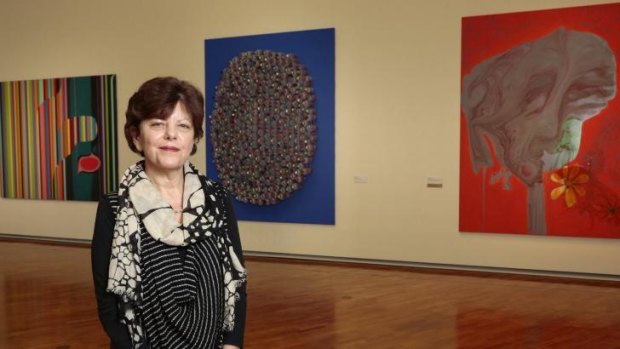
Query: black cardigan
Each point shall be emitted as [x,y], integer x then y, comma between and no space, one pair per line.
[107,303]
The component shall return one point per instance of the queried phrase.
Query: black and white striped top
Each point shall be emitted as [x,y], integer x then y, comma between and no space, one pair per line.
[182,312]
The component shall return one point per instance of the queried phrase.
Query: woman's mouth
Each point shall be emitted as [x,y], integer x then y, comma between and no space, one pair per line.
[169,148]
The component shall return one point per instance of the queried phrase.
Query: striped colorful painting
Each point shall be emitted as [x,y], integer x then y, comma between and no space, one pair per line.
[58,138]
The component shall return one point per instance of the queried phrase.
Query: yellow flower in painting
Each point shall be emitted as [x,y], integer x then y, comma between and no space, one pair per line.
[571,181]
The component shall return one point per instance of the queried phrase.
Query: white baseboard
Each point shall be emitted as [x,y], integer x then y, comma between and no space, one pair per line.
[439,266]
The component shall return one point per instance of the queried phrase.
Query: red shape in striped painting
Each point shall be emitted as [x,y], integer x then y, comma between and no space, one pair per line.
[89,163]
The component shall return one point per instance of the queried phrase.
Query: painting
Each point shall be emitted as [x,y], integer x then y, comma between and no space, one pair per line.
[58,138]
[270,125]
[540,120]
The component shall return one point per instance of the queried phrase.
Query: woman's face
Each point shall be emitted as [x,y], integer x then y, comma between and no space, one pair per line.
[166,144]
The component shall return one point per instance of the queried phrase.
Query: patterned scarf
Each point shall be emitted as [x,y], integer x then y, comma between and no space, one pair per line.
[141,205]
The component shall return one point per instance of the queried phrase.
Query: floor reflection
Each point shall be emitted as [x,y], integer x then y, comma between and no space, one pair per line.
[488,328]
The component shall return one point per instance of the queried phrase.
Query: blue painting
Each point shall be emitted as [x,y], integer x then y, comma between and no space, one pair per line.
[270,124]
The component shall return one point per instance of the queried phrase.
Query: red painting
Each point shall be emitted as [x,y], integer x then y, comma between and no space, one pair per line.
[540,123]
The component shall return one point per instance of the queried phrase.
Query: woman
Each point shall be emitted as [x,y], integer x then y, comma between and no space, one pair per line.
[166,255]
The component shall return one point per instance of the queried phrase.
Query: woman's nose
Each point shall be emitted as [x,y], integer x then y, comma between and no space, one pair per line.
[171,132]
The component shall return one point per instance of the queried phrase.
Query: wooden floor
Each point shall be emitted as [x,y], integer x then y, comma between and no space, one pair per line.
[47,301]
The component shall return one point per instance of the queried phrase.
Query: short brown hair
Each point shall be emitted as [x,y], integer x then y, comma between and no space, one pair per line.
[157,98]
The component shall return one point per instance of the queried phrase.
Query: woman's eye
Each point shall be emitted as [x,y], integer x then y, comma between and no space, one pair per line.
[156,124]
[185,126]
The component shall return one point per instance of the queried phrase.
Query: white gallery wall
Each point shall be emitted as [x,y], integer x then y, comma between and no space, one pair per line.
[397,117]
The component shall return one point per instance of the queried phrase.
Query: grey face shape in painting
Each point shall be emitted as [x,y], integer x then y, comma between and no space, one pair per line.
[531,101]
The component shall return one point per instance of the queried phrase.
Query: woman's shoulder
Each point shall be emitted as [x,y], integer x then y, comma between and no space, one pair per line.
[110,201]
[111,198]
[211,184]
[217,189]
[105,217]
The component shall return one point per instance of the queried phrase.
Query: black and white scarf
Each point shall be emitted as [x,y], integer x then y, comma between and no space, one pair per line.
[141,205]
